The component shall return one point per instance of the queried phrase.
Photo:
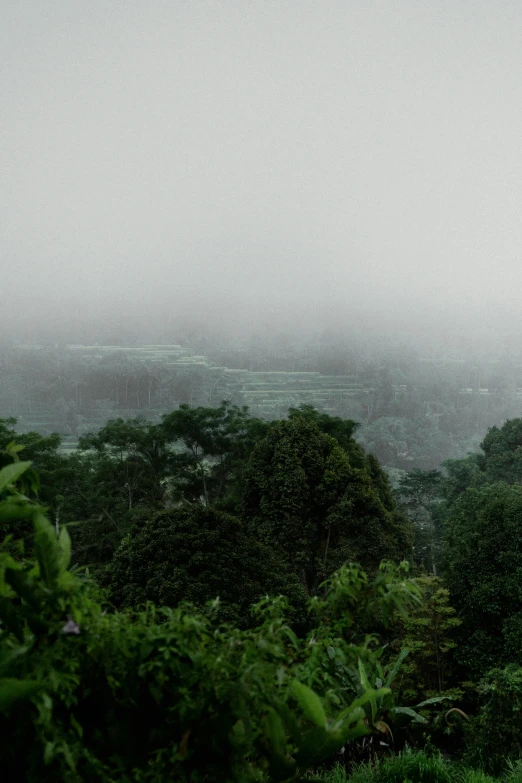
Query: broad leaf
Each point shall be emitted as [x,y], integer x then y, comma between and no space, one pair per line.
[411,713]
[433,700]
[12,473]
[47,550]
[310,703]
[275,732]
[12,690]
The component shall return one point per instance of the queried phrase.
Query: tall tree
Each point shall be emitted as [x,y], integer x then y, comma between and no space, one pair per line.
[304,497]
[210,448]
[420,493]
[483,570]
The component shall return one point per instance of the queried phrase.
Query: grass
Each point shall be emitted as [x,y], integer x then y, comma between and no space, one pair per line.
[417,767]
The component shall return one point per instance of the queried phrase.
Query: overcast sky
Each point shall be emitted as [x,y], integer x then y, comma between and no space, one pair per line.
[244,159]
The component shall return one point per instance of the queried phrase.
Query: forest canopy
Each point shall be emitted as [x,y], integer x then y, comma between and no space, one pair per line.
[214,560]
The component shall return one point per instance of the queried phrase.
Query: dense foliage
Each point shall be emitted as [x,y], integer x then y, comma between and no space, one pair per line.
[172,694]
[240,617]
[303,495]
[195,555]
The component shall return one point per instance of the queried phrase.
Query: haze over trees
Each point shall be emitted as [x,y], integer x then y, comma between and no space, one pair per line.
[260,392]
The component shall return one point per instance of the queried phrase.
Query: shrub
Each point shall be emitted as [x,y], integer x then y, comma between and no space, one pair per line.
[163,694]
[494,736]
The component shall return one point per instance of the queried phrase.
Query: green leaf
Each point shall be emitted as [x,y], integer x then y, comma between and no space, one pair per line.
[13,449]
[354,711]
[349,732]
[433,700]
[12,510]
[289,719]
[368,688]
[363,676]
[310,703]
[411,713]
[49,752]
[12,473]
[65,545]
[275,732]
[47,550]
[12,690]
[23,586]
[396,666]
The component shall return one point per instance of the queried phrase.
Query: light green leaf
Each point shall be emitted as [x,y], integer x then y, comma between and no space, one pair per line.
[363,676]
[65,545]
[275,732]
[310,703]
[396,666]
[12,510]
[47,550]
[368,689]
[354,711]
[12,473]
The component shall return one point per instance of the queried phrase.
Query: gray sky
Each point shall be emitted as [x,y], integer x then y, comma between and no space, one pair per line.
[336,158]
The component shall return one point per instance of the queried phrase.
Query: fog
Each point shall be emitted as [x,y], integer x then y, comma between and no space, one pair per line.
[240,164]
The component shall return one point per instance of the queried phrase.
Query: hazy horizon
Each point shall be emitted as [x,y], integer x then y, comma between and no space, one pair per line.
[251,164]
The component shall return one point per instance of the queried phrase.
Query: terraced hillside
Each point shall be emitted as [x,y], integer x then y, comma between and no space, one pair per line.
[414,411]
[73,389]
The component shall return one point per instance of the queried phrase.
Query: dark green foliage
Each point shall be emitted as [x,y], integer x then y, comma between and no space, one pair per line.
[483,556]
[216,443]
[412,767]
[502,448]
[501,460]
[342,430]
[166,694]
[132,460]
[494,735]
[303,496]
[420,494]
[429,634]
[196,555]
[461,475]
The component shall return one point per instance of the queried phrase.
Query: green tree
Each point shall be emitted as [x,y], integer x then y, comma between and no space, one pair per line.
[502,460]
[429,634]
[213,447]
[342,430]
[304,498]
[134,460]
[420,493]
[483,570]
[462,474]
[197,555]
